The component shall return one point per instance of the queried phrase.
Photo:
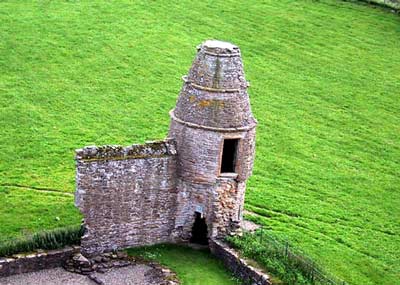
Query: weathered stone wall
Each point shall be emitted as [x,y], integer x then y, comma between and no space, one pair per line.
[214,109]
[240,267]
[228,206]
[126,195]
[213,105]
[221,204]
[246,154]
[24,263]
[193,197]
[201,187]
[214,93]
[200,152]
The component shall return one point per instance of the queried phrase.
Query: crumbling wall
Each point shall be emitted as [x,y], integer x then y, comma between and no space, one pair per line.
[228,206]
[126,195]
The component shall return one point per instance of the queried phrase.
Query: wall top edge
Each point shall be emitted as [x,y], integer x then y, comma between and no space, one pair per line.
[150,149]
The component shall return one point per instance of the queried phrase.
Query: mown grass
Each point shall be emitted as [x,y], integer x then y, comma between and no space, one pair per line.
[193,267]
[23,212]
[325,81]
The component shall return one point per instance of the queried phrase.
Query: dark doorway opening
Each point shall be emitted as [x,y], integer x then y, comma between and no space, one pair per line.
[199,230]
[229,155]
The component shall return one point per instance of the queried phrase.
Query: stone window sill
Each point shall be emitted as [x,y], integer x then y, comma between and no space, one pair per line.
[231,175]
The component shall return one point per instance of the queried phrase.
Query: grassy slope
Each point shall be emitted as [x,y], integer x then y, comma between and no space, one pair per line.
[325,84]
[26,212]
[193,267]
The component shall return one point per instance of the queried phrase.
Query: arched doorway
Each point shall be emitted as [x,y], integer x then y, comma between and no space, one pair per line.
[199,230]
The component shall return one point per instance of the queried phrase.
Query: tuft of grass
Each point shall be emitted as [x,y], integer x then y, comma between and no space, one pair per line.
[289,265]
[193,267]
[46,240]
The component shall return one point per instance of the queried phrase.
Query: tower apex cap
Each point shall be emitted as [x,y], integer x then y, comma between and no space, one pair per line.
[219,47]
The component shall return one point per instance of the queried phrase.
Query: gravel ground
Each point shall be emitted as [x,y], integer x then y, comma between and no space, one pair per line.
[130,275]
[55,276]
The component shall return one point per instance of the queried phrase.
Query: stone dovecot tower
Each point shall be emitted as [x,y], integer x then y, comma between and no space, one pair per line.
[189,186]
[214,130]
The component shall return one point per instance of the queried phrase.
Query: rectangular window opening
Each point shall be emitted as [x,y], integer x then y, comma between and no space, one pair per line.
[229,153]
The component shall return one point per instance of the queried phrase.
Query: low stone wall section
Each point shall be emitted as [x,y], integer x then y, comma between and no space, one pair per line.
[24,263]
[239,266]
[127,195]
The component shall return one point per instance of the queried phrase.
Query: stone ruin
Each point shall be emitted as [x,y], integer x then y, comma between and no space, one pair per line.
[188,187]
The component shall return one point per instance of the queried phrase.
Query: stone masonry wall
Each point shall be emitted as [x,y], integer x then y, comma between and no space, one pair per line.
[126,195]
[228,206]
[213,105]
[24,263]
[200,185]
[200,152]
[193,197]
[220,203]
[214,93]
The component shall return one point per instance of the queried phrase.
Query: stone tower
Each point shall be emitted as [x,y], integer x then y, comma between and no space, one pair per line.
[189,186]
[214,130]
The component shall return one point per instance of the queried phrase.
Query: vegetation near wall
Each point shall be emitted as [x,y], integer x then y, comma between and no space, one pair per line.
[44,240]
[280,259]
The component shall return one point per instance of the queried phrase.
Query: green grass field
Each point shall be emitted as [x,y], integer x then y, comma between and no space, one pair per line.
[325,79]
[193,267]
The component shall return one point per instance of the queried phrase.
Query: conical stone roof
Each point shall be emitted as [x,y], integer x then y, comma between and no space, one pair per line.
[214,95]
